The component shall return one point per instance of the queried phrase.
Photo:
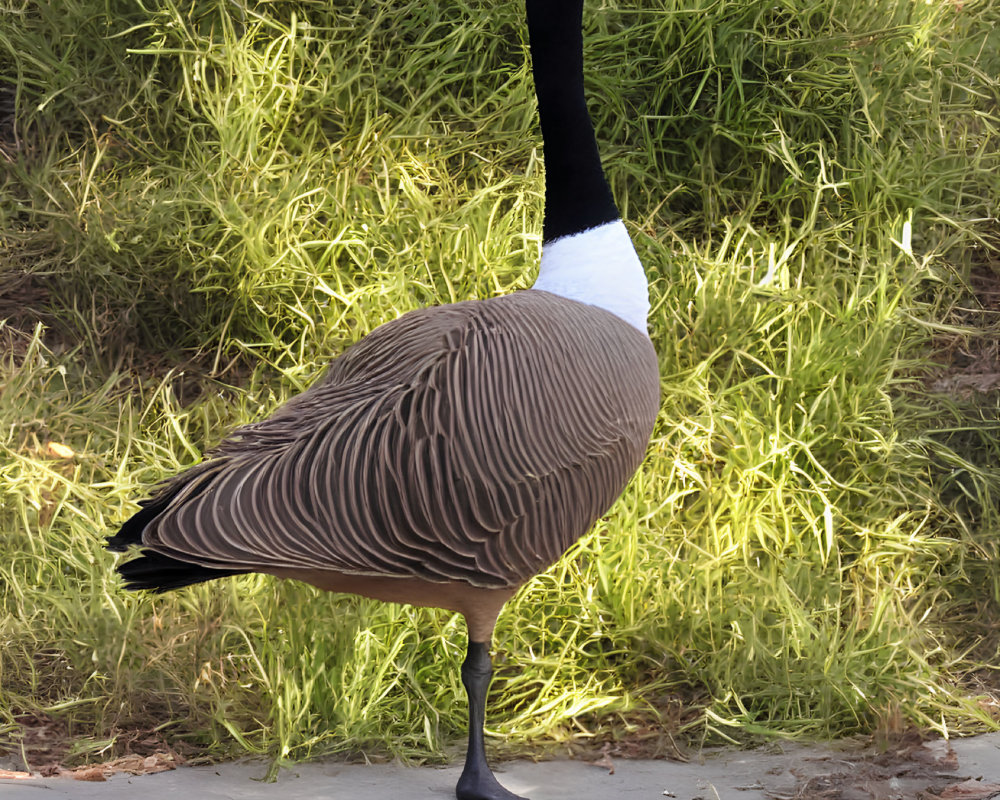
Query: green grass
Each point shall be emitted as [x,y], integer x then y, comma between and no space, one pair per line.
[205,202]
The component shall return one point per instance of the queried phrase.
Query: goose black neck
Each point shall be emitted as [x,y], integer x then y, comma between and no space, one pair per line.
[577,195]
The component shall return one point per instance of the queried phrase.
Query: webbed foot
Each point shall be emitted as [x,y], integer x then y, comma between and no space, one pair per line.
[476,784]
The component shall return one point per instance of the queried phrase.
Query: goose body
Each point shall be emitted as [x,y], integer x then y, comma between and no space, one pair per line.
[455,452]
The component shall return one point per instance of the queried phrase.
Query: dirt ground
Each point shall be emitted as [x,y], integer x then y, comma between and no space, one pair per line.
[964,769]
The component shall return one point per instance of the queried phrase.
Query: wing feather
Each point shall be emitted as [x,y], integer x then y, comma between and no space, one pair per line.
[469,442]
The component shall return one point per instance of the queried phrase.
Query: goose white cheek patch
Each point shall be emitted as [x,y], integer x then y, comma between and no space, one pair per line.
[599,267]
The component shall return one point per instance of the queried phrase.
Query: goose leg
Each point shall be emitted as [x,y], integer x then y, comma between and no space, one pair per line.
[478,782]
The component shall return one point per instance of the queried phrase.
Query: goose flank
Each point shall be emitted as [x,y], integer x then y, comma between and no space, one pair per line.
[457,451]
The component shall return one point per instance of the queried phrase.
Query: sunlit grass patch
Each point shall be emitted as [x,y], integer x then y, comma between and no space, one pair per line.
[224,197]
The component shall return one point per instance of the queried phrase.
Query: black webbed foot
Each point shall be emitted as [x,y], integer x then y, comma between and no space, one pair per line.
[479,785]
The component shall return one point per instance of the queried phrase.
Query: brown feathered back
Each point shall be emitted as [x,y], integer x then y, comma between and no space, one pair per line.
[471,442]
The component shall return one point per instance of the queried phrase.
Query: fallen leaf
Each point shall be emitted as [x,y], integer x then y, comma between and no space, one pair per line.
[11,775]
[57,450]
[930,753]
[604,761]
[95,774]
[970,790]
[139,765]
[965,384]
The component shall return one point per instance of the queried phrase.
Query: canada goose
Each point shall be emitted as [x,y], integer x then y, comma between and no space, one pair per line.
[453,453]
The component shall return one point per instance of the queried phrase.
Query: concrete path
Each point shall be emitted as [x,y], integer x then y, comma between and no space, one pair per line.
[965,768]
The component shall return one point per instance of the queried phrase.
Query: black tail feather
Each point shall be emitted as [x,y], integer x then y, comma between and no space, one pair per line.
[130,533]
[154,571]
[160,573]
